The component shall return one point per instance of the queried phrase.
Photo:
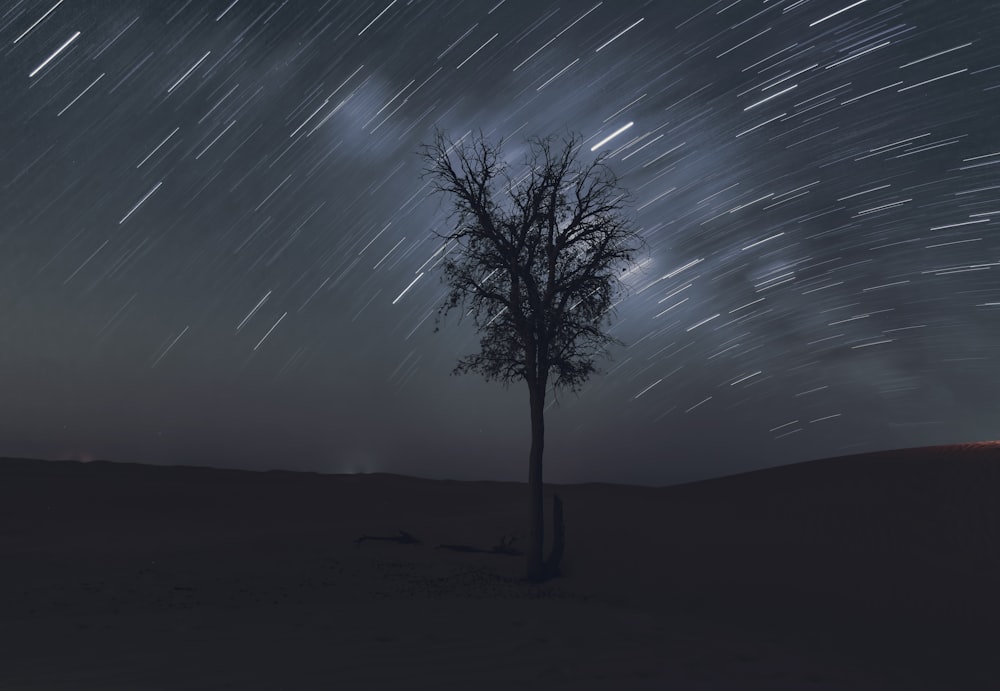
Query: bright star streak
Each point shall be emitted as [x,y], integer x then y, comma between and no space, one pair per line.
[52,57]
[611,136]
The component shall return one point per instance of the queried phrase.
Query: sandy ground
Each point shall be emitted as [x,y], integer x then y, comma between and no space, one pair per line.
[868,572]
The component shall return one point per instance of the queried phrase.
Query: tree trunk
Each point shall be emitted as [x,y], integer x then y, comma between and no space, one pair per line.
[536,517]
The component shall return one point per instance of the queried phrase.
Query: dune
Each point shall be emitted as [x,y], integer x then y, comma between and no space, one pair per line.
[874,571]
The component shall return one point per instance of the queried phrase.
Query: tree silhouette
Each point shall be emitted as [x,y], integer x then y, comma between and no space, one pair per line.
[535,258]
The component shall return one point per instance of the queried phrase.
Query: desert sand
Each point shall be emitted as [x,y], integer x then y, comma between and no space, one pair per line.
[876,571]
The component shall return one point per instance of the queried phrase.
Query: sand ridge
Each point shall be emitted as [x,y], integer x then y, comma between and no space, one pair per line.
[871,571]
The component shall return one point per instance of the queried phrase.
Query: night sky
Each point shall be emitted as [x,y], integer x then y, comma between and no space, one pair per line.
[216,246]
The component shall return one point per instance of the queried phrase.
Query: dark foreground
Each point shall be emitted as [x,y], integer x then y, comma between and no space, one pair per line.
[877,571]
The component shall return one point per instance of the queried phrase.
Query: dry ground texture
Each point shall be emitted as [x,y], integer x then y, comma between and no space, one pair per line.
[876,571]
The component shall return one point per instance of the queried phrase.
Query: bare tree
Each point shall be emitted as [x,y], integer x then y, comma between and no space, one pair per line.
[535,258]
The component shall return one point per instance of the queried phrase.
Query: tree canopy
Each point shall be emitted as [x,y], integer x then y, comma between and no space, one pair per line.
[534,256]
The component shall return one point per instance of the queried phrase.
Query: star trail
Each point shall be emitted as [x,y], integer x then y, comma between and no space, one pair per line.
[217,246]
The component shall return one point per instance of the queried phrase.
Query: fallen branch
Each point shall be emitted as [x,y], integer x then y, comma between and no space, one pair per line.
[505,546]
